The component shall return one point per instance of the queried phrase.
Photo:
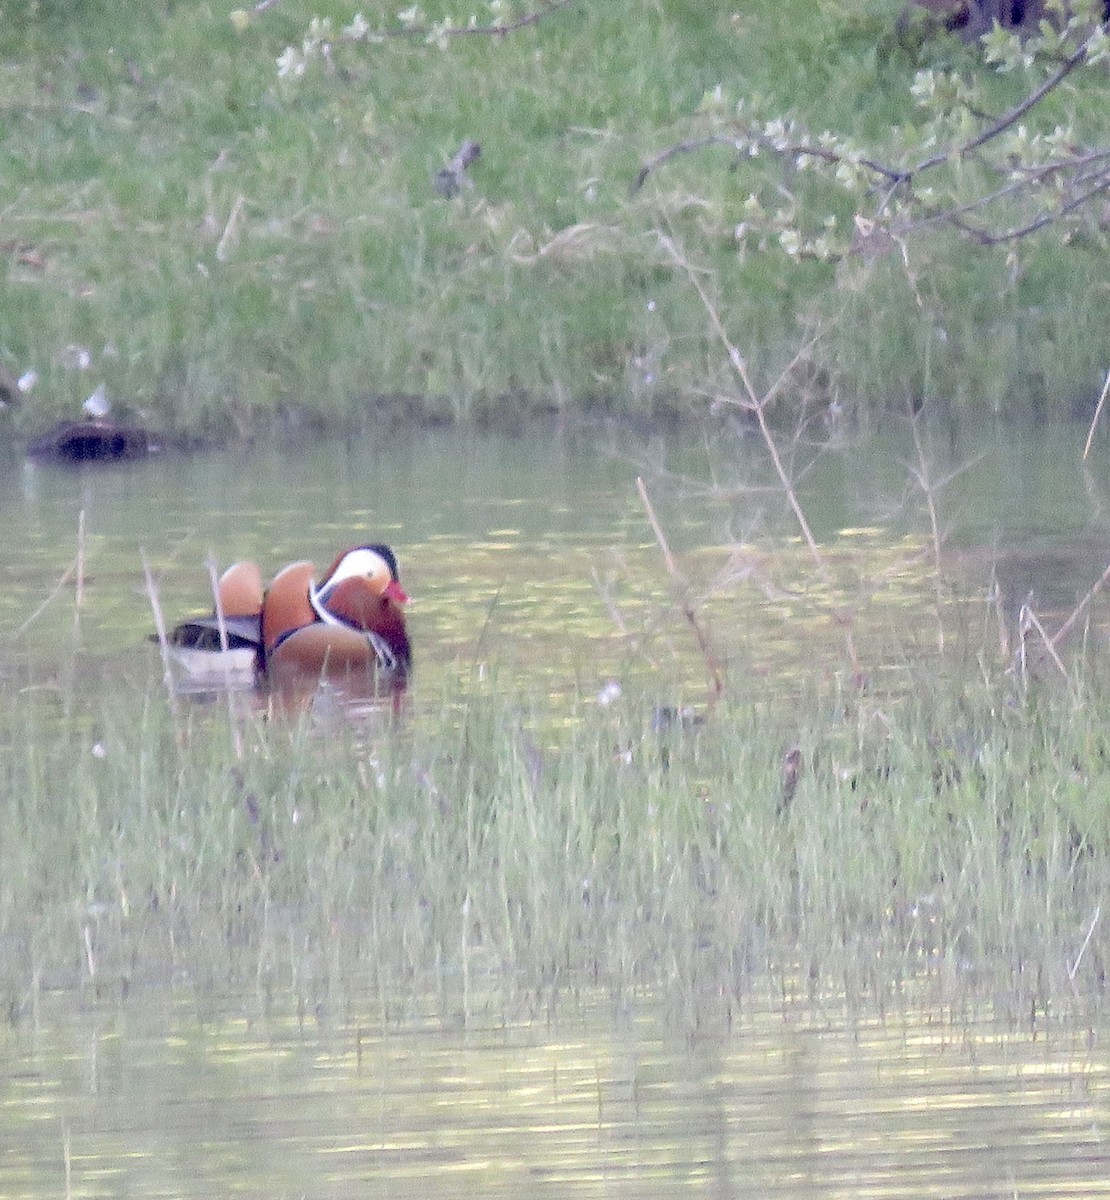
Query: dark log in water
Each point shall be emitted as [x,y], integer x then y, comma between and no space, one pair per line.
[94,441]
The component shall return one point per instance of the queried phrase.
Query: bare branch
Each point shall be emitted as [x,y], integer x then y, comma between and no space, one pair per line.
[687,147]
[493,29]
[1046,217]
[1076,179]
[1031,101]
[500,28]
[746,138]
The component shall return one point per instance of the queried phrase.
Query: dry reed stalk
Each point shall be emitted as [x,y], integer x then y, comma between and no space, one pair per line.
[90,954]
[163,640]
[1074,968]
[1096,587]
[67,1156]
[79,588]
[1028,620]
[930,488]
[231,230]
[214,582]
[75,571]
[605,591]
[754,404]
[712,663]
[920,472]
[1098,411]
[751,402]
[63,579]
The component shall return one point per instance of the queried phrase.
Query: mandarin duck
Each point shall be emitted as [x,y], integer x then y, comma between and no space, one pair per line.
[350,622]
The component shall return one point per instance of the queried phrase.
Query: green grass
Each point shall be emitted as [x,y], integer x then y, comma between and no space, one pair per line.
[128,144]
[952,845]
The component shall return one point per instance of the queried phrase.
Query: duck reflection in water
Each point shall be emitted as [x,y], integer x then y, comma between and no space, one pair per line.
[349,628]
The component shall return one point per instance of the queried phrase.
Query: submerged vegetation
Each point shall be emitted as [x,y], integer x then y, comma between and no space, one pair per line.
[230,236]
[949,849]
[246,220]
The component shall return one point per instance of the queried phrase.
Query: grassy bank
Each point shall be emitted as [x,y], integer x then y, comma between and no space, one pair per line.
[236,252]
[946,849]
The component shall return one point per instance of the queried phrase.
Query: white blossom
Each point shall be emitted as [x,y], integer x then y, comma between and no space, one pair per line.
[291,63]
[358,28]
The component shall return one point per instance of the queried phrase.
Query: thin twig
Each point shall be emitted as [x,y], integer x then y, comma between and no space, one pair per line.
[896,178]
[1074,968]
[218,607]
[660,536]
[744,139]
[928,488]
[605,592]
[712,663]
[684,147]
[1030,620]
[160,629]
[63,579]
[787,372]
[221,625]
[75,571]
[493,29]
[1046,217]
[231,229]
[79,587]
[1031,101]
[1096,587]
[952,215]
[1098,413]
[751,402]
[1001,124]
[499,28]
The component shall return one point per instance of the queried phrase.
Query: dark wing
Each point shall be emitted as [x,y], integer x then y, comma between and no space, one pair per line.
[203,633]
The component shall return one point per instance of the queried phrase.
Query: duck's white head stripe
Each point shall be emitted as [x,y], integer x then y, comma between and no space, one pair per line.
[315,599]
[362,563]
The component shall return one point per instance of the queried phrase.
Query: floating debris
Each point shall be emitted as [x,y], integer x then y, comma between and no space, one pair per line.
[94,441]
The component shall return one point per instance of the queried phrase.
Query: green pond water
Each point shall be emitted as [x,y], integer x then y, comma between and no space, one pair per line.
[532,559]
[535,552]
[600,1099]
